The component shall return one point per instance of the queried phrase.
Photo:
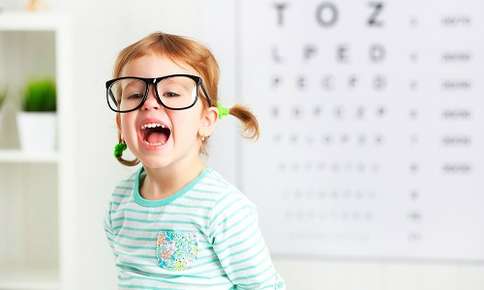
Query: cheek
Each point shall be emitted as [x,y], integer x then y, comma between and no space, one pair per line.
[126,123]
[186,127]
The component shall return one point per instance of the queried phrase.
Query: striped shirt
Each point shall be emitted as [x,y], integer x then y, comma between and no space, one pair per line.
[205,236]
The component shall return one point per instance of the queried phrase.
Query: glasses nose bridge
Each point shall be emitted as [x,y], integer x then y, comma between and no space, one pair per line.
[151,88]
[148,102]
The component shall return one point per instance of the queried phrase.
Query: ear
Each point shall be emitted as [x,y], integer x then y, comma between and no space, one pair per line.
[208,120]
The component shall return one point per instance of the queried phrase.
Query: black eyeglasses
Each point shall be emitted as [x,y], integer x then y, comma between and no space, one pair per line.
[175,92]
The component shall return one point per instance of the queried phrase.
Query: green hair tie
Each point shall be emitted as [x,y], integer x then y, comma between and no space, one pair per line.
[119,148]
[222,111]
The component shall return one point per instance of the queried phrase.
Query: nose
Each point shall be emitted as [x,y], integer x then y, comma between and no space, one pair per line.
[151,101]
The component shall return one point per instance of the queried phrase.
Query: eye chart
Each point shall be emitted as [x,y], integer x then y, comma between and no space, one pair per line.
[372,123]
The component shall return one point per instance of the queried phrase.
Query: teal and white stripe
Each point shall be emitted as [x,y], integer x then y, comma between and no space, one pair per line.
[232,252]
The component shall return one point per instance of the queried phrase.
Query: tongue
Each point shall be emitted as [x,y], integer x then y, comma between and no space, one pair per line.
[156,137]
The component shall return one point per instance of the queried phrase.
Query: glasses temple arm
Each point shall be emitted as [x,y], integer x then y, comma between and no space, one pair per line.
[206,94]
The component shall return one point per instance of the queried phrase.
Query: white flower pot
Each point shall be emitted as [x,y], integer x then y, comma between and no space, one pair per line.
[37,131]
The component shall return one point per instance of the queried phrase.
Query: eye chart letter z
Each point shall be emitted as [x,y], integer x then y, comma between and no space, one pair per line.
[372,126]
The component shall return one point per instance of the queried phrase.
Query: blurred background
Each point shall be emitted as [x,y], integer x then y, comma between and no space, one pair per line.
[368,174]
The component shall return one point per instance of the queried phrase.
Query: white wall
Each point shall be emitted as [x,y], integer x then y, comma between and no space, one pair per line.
[100,30]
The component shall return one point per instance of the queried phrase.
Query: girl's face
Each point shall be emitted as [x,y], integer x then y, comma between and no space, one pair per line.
[160,149]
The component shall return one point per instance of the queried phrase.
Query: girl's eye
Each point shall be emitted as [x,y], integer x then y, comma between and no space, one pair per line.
[170,94]
[135,96]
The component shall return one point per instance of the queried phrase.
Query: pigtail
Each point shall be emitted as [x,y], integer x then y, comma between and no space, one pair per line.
[248,119]
[133,162]
[123,161]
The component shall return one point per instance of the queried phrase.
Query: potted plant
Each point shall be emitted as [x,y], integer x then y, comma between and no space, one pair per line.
[37,121]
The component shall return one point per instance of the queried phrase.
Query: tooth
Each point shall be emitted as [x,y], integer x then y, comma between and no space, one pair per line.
[153,125]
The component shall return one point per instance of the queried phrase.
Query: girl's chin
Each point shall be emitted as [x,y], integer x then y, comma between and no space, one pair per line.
[154,162]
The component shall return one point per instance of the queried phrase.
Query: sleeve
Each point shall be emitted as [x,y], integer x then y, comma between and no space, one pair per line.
[108,226]
[239,245]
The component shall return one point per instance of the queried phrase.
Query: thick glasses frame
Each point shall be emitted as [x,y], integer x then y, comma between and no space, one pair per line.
[154,82]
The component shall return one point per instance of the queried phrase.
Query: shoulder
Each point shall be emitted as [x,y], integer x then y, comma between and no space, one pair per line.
[221,190]
[123,191]
[227,200]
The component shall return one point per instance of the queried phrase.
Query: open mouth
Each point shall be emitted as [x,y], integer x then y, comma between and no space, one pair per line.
[155,134]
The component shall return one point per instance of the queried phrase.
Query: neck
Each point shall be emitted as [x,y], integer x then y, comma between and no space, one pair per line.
[163,182]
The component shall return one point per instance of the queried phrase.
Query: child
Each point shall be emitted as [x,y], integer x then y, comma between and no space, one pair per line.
[176,223]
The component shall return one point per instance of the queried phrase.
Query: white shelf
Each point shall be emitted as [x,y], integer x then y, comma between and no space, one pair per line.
[19,156]
[31,279]
[29,21]
[40,180]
